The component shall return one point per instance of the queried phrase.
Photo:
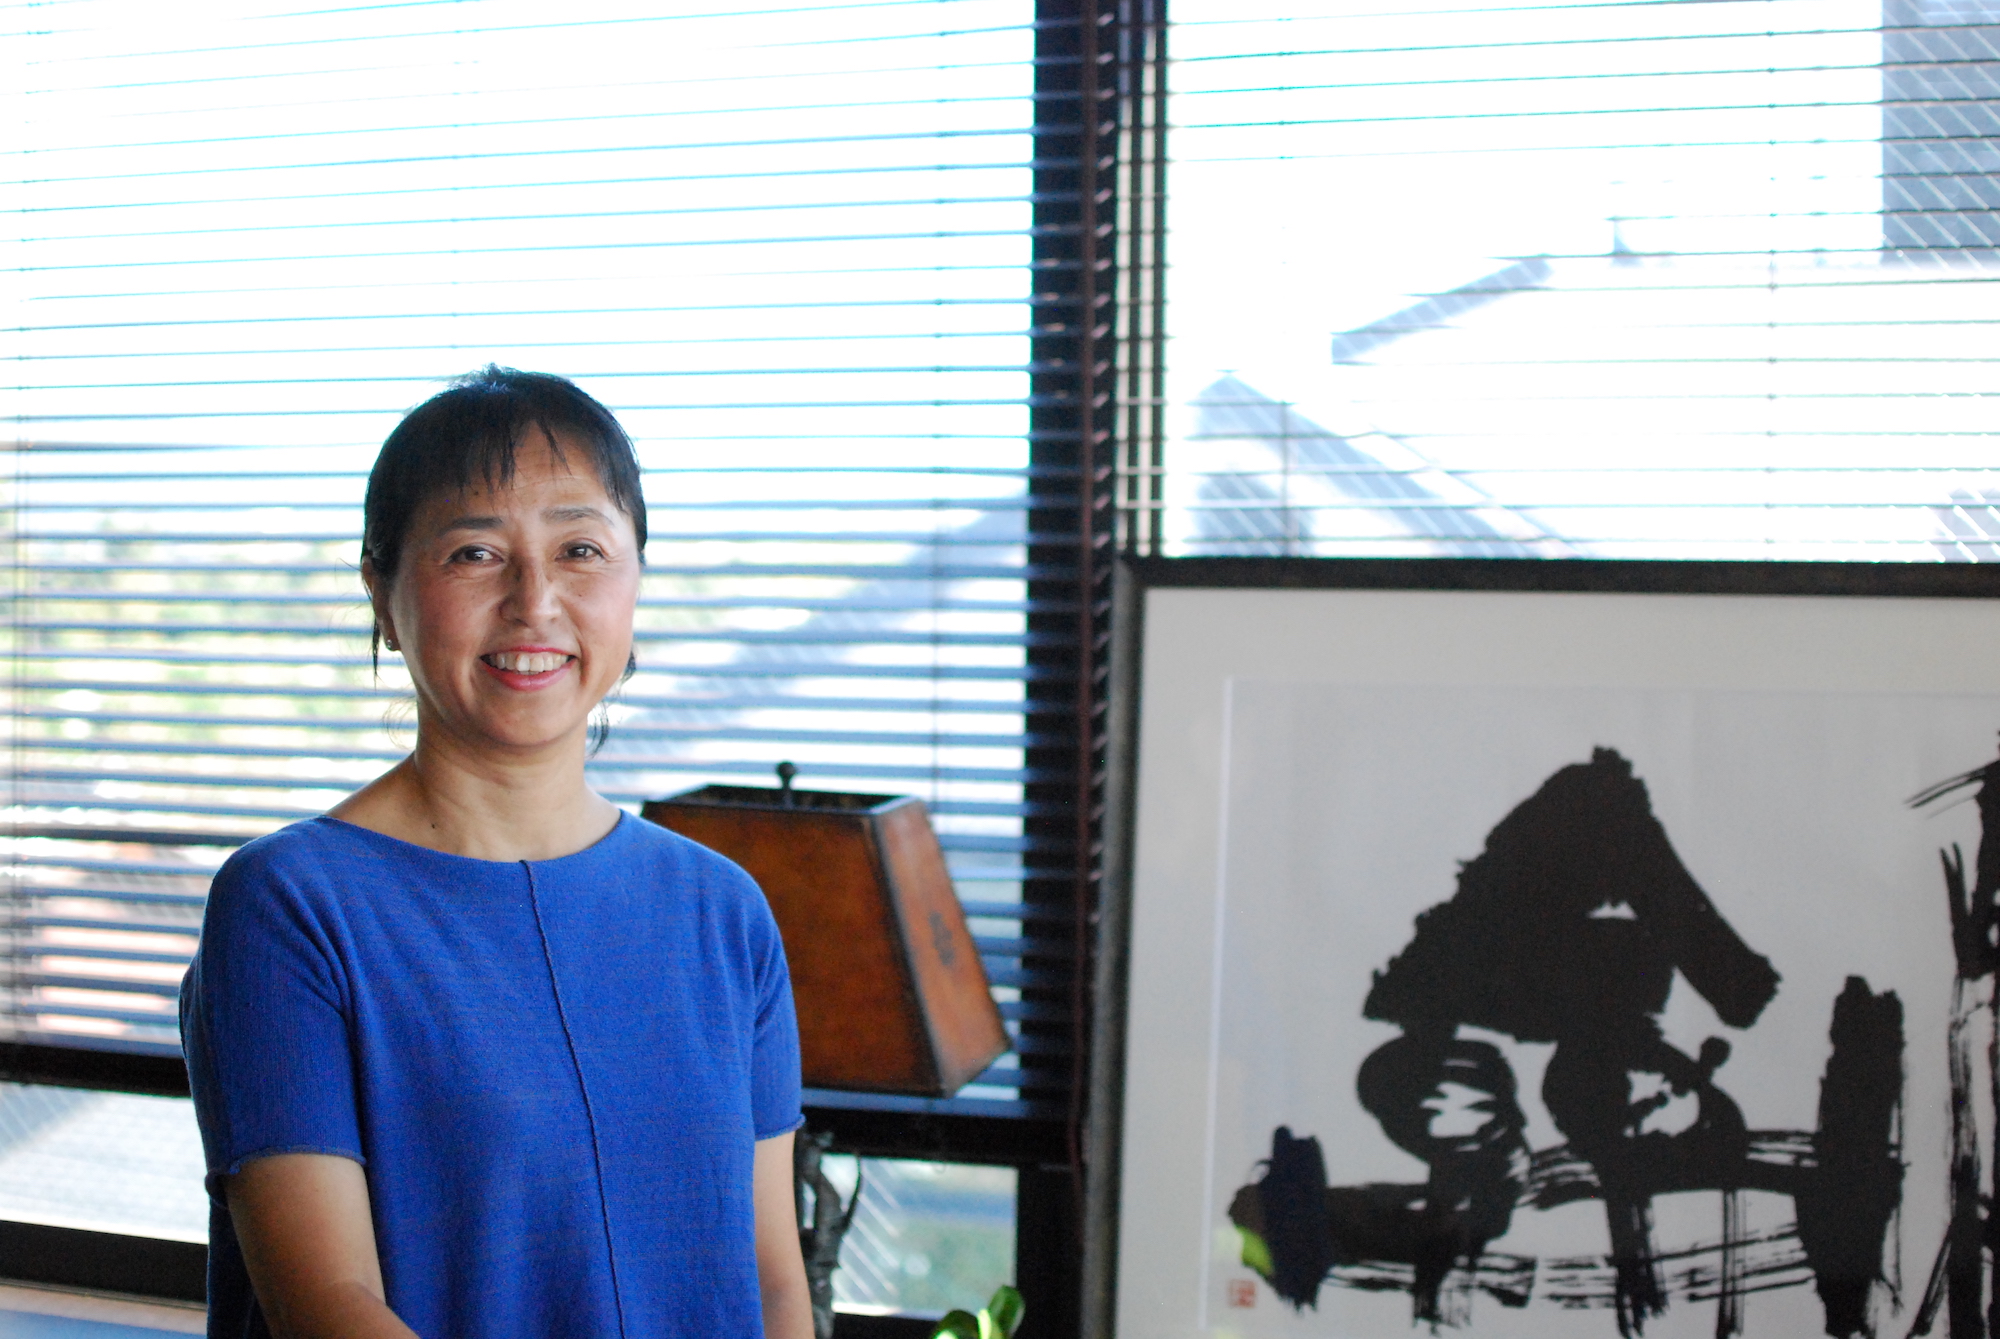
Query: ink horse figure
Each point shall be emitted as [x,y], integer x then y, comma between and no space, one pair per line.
[1568,929]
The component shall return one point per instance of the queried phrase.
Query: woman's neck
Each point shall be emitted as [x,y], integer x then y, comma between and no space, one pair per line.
[484,806]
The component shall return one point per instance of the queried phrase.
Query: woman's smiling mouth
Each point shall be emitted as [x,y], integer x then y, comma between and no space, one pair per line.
[526,664]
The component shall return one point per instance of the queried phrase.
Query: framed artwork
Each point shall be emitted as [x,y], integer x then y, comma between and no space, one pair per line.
[1550,949]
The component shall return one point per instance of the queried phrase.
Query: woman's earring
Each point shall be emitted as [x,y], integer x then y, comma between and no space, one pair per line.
[390,642]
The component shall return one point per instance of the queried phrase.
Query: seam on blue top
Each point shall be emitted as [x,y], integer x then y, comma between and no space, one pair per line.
[583,1086]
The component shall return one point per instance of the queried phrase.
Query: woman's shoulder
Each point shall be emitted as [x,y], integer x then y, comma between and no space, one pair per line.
[699,876]
[304,842]
[683,857]
[688,884]
[287,886]
[314,853]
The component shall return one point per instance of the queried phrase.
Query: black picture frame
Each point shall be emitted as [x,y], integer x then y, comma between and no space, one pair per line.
[1138,577]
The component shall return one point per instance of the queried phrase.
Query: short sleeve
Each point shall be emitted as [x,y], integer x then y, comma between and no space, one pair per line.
[774,1062]
[264,1026]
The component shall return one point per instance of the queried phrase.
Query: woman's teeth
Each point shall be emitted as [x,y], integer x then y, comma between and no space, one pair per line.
[526,662]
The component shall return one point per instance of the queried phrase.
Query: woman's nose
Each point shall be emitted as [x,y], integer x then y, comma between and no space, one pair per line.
[532,599]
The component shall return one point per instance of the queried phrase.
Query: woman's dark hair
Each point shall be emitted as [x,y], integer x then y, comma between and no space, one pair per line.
[468,433]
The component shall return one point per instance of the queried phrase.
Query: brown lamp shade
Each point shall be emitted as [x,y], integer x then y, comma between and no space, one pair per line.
[891,995]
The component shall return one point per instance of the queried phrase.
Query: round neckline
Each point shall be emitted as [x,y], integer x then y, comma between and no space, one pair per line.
[624,820]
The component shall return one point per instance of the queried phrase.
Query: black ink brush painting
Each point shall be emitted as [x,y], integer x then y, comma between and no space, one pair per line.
[1608,1014]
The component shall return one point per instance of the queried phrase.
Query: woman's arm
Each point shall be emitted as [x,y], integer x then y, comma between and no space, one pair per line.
[309,1244]
[781,1273]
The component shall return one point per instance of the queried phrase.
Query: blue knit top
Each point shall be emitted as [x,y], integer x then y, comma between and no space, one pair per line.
[554,1072]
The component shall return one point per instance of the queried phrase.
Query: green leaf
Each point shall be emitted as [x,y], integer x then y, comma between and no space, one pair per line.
[1006,1308]
[1256,1254]
[957,1325]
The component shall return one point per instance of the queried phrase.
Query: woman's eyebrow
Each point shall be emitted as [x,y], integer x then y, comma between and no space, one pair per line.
[578,512]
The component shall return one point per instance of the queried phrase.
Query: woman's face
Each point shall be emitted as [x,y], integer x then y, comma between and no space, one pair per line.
[513,606]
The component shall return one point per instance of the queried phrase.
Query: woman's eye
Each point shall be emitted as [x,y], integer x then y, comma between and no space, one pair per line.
[582,550]
[472,553]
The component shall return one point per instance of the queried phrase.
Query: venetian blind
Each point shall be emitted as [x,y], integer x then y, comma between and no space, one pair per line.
[1625,279]
[788,245]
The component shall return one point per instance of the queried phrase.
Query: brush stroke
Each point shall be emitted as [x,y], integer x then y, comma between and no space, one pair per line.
[1960,1279]
[1844,1211]
[1569,928]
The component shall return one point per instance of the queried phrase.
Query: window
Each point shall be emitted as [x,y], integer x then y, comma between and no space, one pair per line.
[1604,280]
[101,1162]
[822,261]
[925,1236]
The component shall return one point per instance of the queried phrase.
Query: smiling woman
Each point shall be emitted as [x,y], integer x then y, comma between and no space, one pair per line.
[504,533]
[475,1053]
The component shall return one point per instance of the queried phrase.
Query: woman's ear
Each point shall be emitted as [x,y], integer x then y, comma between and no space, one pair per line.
[378,603]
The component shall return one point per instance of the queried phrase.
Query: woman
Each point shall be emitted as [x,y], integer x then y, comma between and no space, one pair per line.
[477,1054]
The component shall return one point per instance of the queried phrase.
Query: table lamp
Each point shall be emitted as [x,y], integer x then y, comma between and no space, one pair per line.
[891,994]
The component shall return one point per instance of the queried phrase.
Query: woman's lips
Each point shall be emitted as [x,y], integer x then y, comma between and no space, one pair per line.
[526,669]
